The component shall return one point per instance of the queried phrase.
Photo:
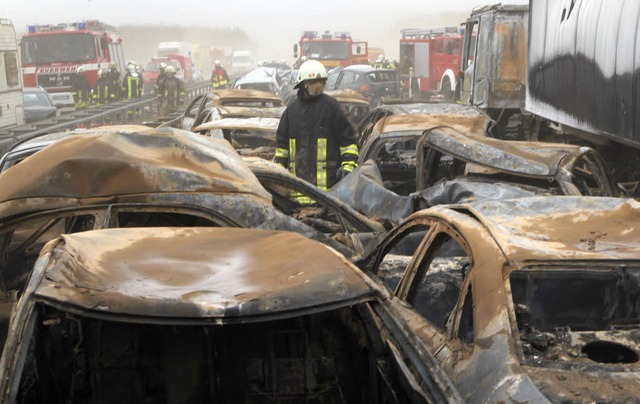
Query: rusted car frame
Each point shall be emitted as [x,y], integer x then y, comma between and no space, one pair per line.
[528,300]
[446,154]
[225,315]
[392,141]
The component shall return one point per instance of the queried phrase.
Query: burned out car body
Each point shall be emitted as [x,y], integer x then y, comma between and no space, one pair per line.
[454,166]
[524,300]
[325,212]
[228,104]
[249,136]
[392,141]
[354,104]
[133,178]
[269,79]
[202,315]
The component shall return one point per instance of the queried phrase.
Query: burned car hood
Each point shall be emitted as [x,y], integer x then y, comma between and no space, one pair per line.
[95,167]
[251,112]
[197,273]
[562,227]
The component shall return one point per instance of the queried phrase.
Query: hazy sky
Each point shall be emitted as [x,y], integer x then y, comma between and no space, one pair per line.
[270,23]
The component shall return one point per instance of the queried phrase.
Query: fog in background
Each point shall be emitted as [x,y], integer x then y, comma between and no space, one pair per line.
[271,26]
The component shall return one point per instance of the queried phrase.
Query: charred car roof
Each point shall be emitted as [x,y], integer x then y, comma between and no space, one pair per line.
[236,97]
[470,123]
[548,228]
[127,162]
[197,273]
[530,158]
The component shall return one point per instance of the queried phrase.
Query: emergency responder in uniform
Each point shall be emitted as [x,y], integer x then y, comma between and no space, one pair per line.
[131,84]
[219,77]
[81,89]
[379,64]
[113,74]
[171,93]
[299,62]
[162,75]
[104,91]
[314,140]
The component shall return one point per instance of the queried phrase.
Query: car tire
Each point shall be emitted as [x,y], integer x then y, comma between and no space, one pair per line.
[449,95]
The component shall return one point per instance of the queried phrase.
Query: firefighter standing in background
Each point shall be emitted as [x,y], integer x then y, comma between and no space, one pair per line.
[162,75]
[314,140]
[171,93]
[219,77]
[379,64]
[131,84]
[81,89]
[113,74]
[104,91]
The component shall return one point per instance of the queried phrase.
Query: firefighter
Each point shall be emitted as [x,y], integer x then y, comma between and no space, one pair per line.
[379,64]
[171,93]
[162,75]
[81,89]
[299,62]
[113,74]
[219,76]
[314,140]
[131,84]
[104,91]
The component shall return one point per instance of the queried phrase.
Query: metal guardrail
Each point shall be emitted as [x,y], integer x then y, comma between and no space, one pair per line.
[122,112]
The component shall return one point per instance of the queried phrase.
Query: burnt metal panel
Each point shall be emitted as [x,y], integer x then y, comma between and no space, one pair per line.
[195,273]
[583,66]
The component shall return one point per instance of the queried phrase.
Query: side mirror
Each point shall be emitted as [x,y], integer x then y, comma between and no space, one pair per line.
[358,50]
[295,50]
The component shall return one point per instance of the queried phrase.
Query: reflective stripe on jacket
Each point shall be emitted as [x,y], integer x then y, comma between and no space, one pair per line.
[314,138]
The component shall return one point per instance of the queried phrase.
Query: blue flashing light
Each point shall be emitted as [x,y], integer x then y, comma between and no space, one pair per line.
[31,29]
[82,25]
[343,36]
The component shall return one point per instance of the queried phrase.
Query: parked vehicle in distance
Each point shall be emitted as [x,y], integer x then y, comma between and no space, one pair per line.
[241,61]
[374,84]
[63,101]
[524,300]
[38,105]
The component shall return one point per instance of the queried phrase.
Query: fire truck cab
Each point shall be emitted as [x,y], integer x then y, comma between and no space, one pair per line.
[429,61]
[51,53]
[331,50]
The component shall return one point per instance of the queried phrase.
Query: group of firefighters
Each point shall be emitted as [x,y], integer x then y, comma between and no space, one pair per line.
[109,88]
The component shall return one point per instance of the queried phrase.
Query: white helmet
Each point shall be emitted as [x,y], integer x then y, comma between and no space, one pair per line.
[311,70]
[163,65]
[380,58]
[80,69]
[217,63]
[170,70]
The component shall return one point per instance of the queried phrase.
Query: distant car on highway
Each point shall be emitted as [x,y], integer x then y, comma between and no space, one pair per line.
[38,105]
[374,84]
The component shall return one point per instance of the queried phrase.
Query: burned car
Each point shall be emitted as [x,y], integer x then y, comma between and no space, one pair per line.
[354,104]
[228,104]
[374,84]
[392,141]
[249,136]
[455,166]
[523,300]
[270,79]
[205,315]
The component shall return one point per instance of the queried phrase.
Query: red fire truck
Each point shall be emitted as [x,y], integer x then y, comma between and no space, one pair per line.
[52,53]
[429,61]
[331,50]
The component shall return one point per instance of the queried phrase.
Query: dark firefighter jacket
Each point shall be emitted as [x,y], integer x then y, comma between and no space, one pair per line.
[104,91]
[314,138]
[81,90]
[171,92]
[131,86]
